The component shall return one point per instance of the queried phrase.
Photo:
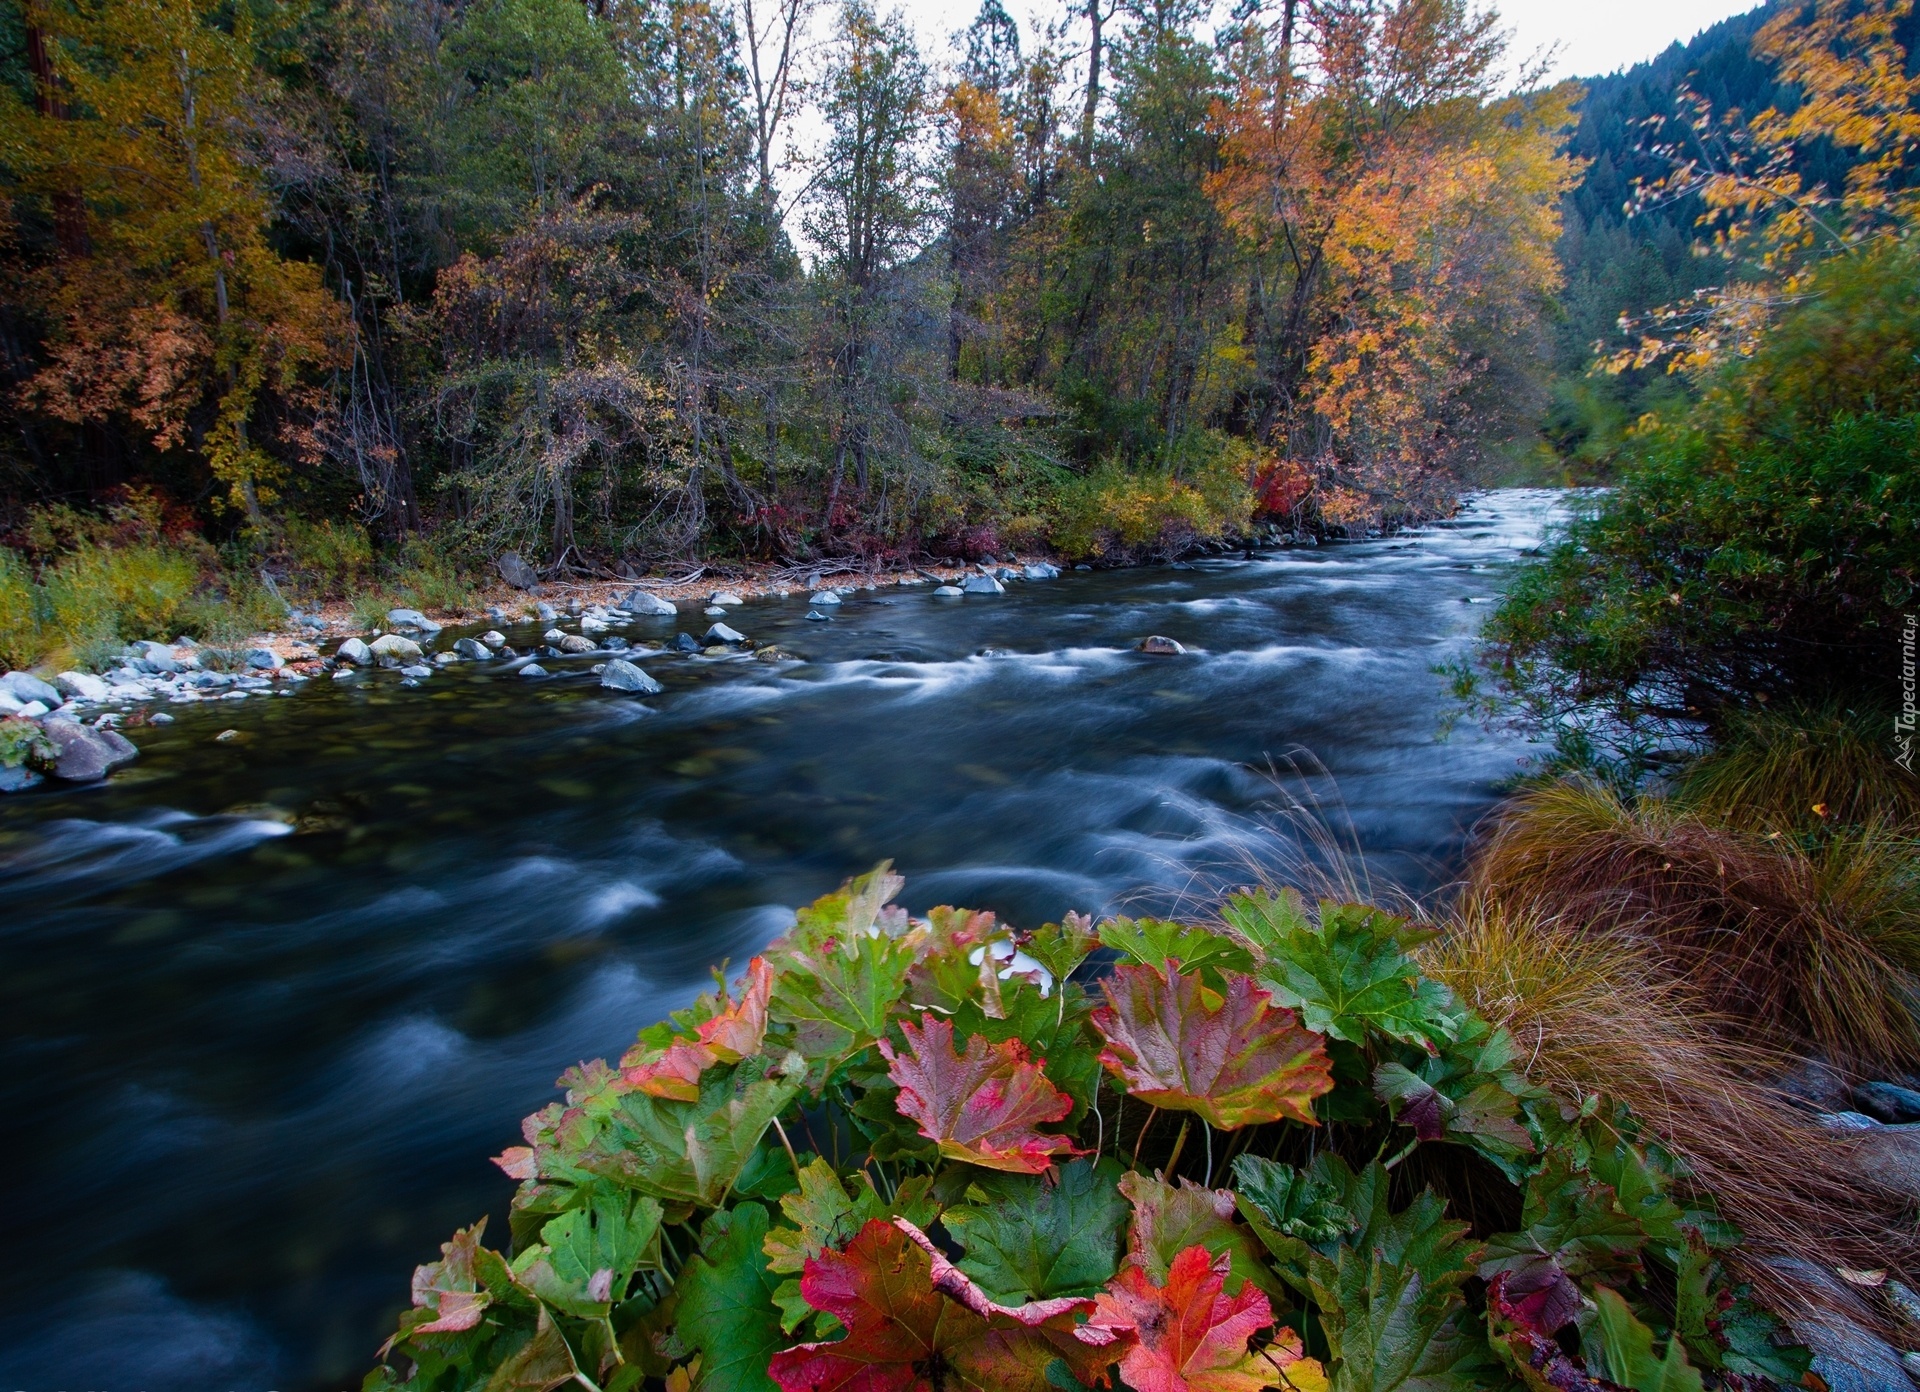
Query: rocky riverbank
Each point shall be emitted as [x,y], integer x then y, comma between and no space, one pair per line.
[63,725]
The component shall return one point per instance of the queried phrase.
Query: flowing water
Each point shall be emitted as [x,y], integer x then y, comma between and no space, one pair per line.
[270,1001]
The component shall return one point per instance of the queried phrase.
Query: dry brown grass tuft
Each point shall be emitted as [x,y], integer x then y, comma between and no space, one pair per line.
[1790,947]
[1603,1013]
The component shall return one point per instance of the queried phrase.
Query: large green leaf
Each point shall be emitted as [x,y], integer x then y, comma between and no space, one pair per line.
[1029,1238]
[1154,942]
[726,1302]
[840,970]
[587,1256]
[1061,947]
[1618,1347]
[692,1151]
[1348,971]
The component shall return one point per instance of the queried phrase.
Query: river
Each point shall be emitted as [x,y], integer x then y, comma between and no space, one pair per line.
[271,1001]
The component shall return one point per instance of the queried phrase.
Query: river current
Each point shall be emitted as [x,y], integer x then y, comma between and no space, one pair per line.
[270,1001]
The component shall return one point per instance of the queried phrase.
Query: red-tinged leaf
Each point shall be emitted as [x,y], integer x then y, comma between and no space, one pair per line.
[1227,1055]
[734,1032]
[981,1106]
[450,1287]
[915,1322]
[1192,1336]
[518,1162]
[1517,1335]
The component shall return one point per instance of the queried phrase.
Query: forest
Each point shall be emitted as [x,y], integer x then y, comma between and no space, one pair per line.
[338,286]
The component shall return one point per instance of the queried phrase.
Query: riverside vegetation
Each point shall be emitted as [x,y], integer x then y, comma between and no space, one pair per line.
[1631,1106]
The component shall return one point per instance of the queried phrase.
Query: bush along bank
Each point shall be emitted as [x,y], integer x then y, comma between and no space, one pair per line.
[934,1153]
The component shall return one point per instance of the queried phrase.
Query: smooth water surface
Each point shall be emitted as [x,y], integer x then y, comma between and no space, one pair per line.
[271,1001]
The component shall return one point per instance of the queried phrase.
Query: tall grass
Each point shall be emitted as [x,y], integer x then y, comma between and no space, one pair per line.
[1801,768]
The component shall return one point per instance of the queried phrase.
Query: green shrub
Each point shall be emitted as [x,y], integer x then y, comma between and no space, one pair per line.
[20,619]
[429,579]
[1200,493]
[1761,547]
[869,1165]
[24,745]
[330,560]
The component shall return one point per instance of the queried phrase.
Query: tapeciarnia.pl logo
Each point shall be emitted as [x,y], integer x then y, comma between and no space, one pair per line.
[1903,723]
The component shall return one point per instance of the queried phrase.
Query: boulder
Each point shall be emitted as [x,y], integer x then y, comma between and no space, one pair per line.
[24,687]
[493,638]
[412,620]
[1041,570]
[1161,647]
[983,584]
[1887,1158]
[545,612]
[622,675]
[820,597]
[1888,1101]
[82,686]
[575,643]
[614,644]
[33,710]
[87,753]
[593,623]
[720,633]
[714,611]
[773,652]
[262,659]
[949,592]
[473,650]
[445,659]
[516,572]
[726,599]
[645,604]
[553,635]
[1834,1322]
[391,650]
[533,669]
[354,650]
[686,643]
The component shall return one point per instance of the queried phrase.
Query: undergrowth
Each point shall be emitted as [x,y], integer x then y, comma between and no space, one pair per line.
[935,1152]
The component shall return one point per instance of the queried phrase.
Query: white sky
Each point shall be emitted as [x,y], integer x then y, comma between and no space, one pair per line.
[1594,36]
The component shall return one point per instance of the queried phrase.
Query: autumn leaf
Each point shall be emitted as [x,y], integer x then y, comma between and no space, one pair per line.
[822,1215]
[1061,947]
[915,1321]
[1031,1237]
[839,971]
[733,1030]
[586,1256]
[958,955]
[1226,1055]
[1167,1219]
[981,1106]
[450,1287]
[1193,1337]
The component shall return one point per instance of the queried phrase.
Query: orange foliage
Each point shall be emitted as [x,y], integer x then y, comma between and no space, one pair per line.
[1404,219]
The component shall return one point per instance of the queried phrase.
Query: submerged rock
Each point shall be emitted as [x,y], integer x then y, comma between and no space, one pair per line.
[622,675]
[86,752]
[1160,646]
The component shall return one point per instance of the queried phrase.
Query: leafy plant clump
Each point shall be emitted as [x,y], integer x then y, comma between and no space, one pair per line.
[919,1153]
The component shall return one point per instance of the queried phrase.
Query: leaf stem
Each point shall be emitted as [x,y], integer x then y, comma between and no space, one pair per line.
[1208,1126]
[793,1159]
[1179,1142]
[1141,1139]
[1403,1153]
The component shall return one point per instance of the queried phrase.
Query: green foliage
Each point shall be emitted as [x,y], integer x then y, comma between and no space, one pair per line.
[1758,547]
[647,1247]
[24,745]
[329,559]
[1120,512]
